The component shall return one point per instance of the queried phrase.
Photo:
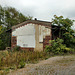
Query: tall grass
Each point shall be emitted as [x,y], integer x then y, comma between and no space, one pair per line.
[12,60]
[18,59]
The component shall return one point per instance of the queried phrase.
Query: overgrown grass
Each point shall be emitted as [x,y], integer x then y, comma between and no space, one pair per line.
[12,60]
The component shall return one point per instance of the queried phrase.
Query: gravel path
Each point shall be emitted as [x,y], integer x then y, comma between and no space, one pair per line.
[59,65]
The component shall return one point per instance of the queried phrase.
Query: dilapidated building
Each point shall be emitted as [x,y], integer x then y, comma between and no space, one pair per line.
[31,35]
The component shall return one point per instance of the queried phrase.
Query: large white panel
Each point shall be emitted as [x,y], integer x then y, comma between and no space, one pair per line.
[24,30]
[26,41]
[25,35]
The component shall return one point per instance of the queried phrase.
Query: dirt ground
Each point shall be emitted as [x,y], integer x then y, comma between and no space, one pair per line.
[58,65]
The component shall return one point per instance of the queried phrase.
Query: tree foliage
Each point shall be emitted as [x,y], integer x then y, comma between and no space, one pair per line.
[57,47]
[13,17]
[0,36]
[9,17]
[64,25]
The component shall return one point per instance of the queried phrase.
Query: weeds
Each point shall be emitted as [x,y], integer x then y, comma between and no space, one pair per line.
[17,59]
[13,60]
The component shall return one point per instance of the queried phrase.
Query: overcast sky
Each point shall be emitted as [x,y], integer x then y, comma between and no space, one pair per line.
[43,9]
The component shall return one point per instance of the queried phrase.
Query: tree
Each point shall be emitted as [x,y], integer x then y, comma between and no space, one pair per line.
[64,24]
[1,15]
[9,17]
[13,17]
[0,36]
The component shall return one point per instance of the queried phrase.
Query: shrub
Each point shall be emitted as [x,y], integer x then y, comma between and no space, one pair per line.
[16,48]
[21,64]
[48,49]
[57,47]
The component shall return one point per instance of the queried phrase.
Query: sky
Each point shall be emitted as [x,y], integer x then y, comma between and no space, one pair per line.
[43,9]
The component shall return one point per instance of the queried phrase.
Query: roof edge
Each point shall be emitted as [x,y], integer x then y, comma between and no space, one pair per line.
[33,21]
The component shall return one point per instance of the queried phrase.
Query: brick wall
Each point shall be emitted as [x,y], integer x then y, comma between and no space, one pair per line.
[27,49]
[13,41]
[46,41]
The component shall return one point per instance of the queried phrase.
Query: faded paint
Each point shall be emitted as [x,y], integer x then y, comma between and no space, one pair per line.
[25,35]
[32,35]
[43,32]
[40,33]
[38,46]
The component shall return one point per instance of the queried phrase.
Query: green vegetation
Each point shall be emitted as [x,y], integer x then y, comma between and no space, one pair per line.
[0,36]
[17,58]
[57,47]
[65,31]
[16,48]
[12,60]
[65,43]
[9,17]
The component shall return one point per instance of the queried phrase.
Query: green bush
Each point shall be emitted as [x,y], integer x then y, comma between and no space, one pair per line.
[21,64]
[16,48]
[57,47]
